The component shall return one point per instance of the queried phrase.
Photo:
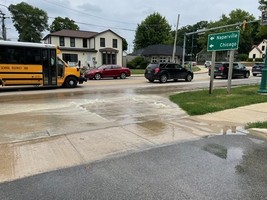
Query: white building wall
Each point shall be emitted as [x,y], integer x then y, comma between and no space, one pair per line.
[254,51]
[91,58]
[109,36]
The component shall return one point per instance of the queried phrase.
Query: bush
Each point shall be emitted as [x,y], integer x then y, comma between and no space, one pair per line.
[258,59]
[138,63]
[242,57]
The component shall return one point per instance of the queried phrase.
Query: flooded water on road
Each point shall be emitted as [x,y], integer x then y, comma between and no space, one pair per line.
[25,117]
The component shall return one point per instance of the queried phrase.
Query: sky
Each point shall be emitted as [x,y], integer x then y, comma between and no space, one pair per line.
[123,16]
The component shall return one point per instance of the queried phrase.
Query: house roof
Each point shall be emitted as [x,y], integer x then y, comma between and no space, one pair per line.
[137,52]
[162,49]
[78,34]
[73,33]
[109,31]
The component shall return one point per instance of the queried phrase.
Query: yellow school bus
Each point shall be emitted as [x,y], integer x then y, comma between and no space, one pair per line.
[24,63]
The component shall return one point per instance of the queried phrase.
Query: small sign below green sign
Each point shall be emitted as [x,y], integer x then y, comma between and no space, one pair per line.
[223,41]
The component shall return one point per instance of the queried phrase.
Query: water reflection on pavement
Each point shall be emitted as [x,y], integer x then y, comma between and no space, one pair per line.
[25,117]
[58,129]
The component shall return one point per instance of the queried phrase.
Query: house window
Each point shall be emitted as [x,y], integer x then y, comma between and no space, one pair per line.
[109,58]
[72,42]
[70,57]
[61,41]
[115,43]
[154,59]
[162,59]
[263,48]
[102,42]
[84,43]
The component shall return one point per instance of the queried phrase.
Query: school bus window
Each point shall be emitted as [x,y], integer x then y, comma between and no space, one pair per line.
[33,56]
[60,65]
[2,55]
[15,55]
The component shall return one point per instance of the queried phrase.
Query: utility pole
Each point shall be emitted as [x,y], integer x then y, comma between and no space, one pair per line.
[3,25]
[175,39]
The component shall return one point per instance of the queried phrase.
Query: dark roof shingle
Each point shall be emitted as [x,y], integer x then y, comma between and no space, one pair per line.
[162,49]
[73,33]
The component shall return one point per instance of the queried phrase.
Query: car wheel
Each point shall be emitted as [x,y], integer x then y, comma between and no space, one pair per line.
[151,80]
[188,78]
[246,75]
[97,76]
[163,78]
[123,76]
[71,82]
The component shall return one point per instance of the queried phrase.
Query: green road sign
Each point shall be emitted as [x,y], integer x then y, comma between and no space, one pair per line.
[223,41]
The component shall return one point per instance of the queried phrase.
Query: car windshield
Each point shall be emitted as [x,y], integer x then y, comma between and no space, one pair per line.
[152,66]
[102,67]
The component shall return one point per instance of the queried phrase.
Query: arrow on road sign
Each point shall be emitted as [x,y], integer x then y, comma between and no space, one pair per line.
[223,41]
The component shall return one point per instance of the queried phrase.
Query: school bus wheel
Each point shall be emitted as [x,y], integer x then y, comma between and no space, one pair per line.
[71,82]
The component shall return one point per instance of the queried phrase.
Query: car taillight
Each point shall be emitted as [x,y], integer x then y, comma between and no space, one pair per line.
[156,70]
[221,68]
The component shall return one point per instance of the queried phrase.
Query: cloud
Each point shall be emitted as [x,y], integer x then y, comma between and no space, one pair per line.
[122,16]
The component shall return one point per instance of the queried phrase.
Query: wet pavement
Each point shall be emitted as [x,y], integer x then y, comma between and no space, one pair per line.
[215,167]
[57,129]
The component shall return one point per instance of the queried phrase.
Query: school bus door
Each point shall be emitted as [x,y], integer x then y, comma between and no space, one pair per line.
[49,67]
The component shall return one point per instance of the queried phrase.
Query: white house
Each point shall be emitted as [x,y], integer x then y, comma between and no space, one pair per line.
[258,51]
[88,48]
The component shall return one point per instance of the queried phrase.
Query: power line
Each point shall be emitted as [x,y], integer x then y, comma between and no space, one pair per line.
[78,11]
[110,27]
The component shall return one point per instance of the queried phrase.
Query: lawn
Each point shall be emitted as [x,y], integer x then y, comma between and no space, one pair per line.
[201,102]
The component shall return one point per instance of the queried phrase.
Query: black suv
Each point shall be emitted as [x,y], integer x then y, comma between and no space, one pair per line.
[257,68]
[239,70]
[167,71]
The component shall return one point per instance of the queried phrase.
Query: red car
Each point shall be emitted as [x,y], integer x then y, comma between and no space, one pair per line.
[105,71]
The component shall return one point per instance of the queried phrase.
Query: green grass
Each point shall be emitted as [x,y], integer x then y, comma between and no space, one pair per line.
[137,71]
[256,125]
[201,102]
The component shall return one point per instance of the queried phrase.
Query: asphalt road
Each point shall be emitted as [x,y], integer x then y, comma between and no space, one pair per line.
[126,121]
[218,167]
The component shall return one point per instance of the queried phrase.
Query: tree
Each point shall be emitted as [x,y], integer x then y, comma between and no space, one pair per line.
[60,23]
[30,22]
[153,30]
[235,16]
[124,45]
[263,5]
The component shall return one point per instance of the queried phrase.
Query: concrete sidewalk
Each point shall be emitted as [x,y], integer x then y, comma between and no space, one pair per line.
[240,116]
[27,158]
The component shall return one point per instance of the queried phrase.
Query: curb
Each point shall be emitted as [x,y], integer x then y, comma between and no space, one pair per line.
[258,132]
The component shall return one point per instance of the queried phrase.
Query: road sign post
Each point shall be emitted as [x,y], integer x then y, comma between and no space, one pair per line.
[222,42]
